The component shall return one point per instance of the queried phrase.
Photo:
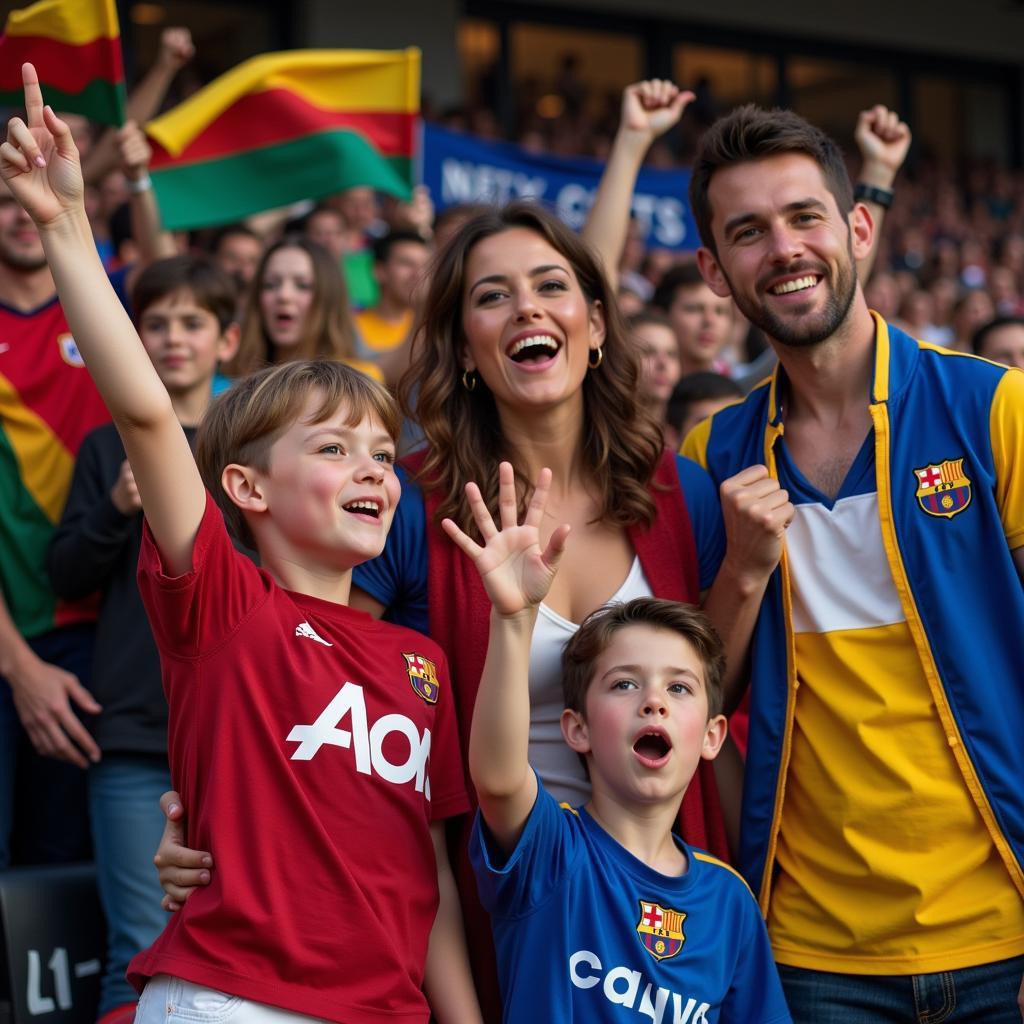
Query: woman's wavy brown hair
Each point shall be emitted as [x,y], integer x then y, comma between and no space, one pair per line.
[327,333]
[621,442]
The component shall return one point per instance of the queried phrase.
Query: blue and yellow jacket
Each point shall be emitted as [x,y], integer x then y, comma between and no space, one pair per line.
[953,571]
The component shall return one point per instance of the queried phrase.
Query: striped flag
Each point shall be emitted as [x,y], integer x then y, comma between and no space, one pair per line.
[75,46]
[287,126]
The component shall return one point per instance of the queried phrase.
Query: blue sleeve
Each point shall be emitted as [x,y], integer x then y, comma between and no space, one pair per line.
[755,994]
[701,496]
[119,282]
[397,577]
[514,886]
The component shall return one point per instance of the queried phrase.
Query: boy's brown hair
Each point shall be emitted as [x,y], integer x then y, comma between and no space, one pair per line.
[591,640]
[751,133]
[242,424]
[211,288]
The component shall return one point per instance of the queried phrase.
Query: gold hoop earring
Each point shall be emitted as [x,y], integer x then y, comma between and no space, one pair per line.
[468,382]
[600,357]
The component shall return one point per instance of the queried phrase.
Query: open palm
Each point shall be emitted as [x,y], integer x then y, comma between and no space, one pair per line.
[39,160]
[515,572]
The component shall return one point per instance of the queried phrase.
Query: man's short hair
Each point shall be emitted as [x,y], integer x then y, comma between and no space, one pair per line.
[212,289]
[682,275]
[242,424]
[751,133]
[598,630]
[698,387]
[382,246]
[232,231]
[980,336]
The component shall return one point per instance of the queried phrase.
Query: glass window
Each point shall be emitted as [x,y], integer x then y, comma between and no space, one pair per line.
[831,93]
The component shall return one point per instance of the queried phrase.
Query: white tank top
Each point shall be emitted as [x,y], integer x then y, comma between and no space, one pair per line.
[559,767]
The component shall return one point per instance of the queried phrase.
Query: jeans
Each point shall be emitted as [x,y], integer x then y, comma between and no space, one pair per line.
[124,807]
[168,1000]
[971,995]
[43,818]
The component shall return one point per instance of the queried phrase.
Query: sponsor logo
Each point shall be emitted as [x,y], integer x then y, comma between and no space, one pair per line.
[423,676]
[365,740]
[306,630]
[943,489]
[625,987]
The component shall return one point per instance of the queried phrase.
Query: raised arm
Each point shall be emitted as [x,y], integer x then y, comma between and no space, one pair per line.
[40,164]
[649,109]
[517,575]
[883,140]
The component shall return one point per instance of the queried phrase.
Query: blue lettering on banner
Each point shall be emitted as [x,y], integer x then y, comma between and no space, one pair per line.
[460,168]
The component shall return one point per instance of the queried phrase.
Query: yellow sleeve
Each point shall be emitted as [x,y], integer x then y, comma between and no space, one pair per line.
[1006,423]
[695,444]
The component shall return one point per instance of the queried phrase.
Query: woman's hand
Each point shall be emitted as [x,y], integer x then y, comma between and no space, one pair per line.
[181,870]
[515,572]
[39,160]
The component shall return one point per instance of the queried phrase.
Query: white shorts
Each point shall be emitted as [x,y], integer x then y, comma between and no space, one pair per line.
[168,1000]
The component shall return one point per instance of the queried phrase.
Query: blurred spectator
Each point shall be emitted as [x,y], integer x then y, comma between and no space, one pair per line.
[659,361]
[696,397]
[1001,340]
[701,320]
[383,333]
[237,250]
[969,313]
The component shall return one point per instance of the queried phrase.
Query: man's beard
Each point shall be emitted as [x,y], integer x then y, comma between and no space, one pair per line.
[22,260]
[796,331]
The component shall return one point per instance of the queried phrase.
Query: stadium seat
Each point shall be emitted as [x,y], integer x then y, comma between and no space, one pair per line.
[51,945]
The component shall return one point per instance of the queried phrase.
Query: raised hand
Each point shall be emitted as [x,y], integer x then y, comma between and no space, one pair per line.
[756,512]
[883,140]
[515,572]
[650,108]
[176,48]
[39,160]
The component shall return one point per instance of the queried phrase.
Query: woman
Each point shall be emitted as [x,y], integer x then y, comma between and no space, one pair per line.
[296,308]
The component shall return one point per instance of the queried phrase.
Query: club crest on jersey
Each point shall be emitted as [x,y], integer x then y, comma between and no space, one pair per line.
[423,676]
[660,930]
[943,490]
[69,351]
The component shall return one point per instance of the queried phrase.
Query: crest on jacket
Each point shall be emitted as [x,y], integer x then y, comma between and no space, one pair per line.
[660,930]
[943,489]
[423,676]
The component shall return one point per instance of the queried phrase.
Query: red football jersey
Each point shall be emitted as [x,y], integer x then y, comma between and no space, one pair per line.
[313,747]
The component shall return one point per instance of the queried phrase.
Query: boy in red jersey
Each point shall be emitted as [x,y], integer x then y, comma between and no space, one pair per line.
[336,733]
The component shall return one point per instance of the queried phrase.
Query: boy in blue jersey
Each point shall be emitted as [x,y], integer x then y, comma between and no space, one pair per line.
[601,913]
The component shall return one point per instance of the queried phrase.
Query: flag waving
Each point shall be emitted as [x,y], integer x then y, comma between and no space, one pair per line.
[76,48]
[287,126]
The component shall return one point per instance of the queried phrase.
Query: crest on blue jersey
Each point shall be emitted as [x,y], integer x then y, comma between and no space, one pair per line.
[943,490]
[660,930]
[423,676]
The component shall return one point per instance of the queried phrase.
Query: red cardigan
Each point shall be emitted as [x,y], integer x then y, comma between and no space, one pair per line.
[459,612]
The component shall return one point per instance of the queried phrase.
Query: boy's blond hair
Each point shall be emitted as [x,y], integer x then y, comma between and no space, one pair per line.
[242,424]
[591,640]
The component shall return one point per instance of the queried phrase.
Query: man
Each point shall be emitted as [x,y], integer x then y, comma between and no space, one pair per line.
[383,331]
[883,819]
[47,405]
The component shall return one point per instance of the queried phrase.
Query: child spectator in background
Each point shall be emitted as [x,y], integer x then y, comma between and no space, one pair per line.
[337,921]
[185,309]
[695,398]
[602,909]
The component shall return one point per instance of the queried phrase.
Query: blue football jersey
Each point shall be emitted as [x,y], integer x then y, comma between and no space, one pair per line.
[586,932]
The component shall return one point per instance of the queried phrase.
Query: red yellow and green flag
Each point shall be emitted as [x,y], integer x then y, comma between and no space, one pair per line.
[287,126]
[75,46]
